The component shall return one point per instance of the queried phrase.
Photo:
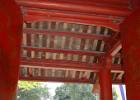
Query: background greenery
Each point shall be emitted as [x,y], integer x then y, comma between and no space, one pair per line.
[32,91]
[39,91]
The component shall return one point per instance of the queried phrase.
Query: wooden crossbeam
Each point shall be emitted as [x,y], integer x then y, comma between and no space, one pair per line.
[79,52]
[71,34]
[64,80]
[64,64]
[81,7]
[34,14]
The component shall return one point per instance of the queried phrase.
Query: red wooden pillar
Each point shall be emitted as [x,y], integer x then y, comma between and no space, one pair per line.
[10,39]
[135,4]
[130,30]
[105,81]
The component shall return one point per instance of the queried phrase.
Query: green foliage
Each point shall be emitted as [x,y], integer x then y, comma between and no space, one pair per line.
[27,85]
[77,92]
[74,92]
[36,91]
[32,91]
[115,96]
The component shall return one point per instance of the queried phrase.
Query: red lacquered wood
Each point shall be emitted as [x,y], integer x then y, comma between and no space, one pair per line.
[105,80]
[10,36]
[130,30]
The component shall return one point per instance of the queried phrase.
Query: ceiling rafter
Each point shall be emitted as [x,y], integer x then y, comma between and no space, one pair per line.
[77,7]
[79,52]
[77,35]
[65,80]
[33,14]
[54,79]
[65,64]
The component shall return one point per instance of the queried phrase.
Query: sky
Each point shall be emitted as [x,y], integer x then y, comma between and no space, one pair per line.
[117,88]
[52,86]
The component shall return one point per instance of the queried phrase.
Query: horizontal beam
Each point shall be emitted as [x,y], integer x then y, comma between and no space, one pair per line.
[60,64]
[64,51]
[66,65]
[72,34]
[64,80]
[80,7]
[31,15]
[117,68]
[54,79]
[60,67]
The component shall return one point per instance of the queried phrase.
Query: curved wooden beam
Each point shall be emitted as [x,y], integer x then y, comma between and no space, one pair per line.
[82,7]
[31,15]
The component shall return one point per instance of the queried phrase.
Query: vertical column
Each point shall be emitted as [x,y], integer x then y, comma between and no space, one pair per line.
[10,39]
[130,34]
[105,80]
[135,4]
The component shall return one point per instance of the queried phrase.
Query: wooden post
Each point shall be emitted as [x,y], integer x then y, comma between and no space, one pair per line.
[130,30]
[10,39]
[105,80]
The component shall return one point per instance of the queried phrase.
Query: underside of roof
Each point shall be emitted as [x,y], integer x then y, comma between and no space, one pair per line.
[69,43]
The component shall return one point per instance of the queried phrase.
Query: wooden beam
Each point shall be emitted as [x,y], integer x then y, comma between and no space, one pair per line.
[72,34]
[62,80]
[115,45]
[64,64]
[55,79]
[80,7]
[115,48]
[34,14]
[79,52]
[60,64]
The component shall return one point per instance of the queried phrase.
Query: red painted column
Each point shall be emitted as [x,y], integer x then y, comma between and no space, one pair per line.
[130,30]
[105,81]
[135,4]
[10,39]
